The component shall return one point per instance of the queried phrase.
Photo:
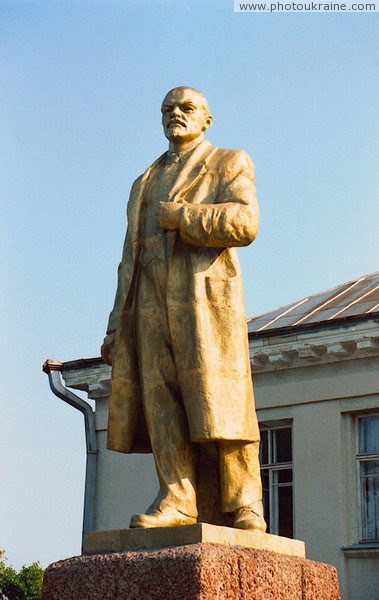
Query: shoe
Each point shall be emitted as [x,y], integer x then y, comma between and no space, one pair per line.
[160,518]
[250,517]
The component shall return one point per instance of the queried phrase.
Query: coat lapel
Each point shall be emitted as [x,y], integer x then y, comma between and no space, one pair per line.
[136,203]
[193,170]
[188,177]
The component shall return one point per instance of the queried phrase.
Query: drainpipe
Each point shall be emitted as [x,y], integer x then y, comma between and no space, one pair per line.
[53,369]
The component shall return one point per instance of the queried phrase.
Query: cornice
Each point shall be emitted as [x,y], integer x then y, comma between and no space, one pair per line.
[89,376]
[314,347]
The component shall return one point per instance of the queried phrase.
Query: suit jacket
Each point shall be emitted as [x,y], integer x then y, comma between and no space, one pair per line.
[204,301]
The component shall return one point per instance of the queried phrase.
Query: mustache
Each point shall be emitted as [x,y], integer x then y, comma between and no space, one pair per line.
[176,121]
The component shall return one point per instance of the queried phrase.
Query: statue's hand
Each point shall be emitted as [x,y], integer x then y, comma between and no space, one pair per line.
[107,347]
[168,214]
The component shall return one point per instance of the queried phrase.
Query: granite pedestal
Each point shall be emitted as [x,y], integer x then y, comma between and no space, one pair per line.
[197,570]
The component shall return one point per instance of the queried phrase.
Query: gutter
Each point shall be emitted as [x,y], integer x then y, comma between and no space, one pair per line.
[53,369]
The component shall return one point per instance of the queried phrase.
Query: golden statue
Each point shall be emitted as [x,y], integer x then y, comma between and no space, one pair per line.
[177,334]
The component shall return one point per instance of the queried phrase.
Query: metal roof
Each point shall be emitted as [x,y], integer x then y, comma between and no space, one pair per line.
[355,299]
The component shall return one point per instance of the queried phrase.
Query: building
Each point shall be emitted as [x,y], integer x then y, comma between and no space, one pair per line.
[316,379]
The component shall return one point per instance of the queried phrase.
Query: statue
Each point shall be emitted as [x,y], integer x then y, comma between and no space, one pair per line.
[177,335]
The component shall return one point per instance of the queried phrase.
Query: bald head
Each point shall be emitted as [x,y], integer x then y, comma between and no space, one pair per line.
[191,91]
[185,115]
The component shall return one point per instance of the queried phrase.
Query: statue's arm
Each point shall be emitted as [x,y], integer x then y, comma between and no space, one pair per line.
[233,219]
[114,317]
[123,267]
[123,277]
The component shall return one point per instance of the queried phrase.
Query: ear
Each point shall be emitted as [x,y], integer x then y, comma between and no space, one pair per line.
[208,122]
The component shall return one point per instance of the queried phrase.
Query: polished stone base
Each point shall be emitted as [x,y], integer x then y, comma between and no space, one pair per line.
[121,540]
[193,572]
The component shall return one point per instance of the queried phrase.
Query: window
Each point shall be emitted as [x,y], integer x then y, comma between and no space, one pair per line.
[368,474]
[276,471]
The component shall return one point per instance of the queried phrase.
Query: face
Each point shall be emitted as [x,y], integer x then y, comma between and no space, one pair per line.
[184,117]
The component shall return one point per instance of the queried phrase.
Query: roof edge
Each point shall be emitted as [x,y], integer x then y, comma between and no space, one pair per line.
[342,321]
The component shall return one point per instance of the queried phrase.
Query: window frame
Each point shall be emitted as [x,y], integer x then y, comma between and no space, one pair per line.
[361,458]
[273,468]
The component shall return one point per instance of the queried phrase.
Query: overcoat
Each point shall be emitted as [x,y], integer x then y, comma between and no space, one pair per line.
[205,304]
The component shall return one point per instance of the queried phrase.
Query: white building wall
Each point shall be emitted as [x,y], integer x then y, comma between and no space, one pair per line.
[322,401]
[125,483]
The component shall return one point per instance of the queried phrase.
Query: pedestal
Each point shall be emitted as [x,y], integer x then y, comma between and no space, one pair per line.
[198,570]
[121,540]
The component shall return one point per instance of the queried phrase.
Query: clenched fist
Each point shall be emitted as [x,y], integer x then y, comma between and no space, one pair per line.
[168,214]
[107,347]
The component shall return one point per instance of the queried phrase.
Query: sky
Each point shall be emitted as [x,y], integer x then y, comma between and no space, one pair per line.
[81,88]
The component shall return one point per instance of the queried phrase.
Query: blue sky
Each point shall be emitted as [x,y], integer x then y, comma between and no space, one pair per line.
[80,120]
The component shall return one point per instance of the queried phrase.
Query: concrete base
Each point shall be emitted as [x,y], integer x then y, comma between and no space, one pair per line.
[121,540]
[193,572]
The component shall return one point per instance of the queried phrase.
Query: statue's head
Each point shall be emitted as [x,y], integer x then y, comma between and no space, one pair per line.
[185,114]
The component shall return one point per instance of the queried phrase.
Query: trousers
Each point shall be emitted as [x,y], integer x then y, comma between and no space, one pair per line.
[174,453]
